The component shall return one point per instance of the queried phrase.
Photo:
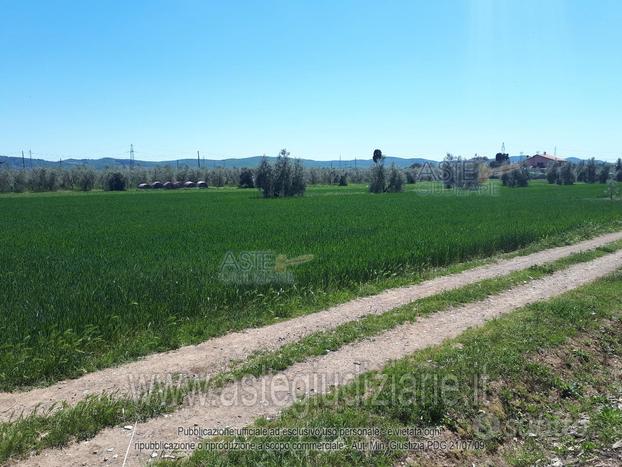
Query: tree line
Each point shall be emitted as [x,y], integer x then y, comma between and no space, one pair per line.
[287,177]
[586,172]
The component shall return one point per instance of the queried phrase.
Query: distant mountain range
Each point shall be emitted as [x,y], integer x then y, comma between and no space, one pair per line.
[517,159]
[571,159]
[576,160]
[109,162]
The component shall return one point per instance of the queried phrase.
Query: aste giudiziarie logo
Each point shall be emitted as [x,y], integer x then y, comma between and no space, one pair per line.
[258,267]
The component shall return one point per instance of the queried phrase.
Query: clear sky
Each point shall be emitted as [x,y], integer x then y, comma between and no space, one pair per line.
[322,78]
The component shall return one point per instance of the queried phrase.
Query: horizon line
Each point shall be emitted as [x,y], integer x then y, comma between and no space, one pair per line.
[49,158]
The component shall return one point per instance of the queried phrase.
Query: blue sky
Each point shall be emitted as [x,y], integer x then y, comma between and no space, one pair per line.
[322,78]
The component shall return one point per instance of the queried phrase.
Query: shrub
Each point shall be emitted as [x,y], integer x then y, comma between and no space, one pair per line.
[217,177]
[590,171]
[612,189]
[135,176]
[567,175]
[263,180]
[20,182]
[286,178]
[581,172]
[343,180]
[377,183]
[315,176]
[516,178]
[43,180]
[246,179]
[502,158]
[552,174]
[619,175]
[6,181]
[603,175]
[65,180]
[396,180]
[114,181]
[84,178]
[456,173]
[51,181]
[298,185]
[283,174]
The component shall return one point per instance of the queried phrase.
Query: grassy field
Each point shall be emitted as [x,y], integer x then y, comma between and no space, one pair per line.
[90,280]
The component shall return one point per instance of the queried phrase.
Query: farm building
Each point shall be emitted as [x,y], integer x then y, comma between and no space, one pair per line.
[542,161]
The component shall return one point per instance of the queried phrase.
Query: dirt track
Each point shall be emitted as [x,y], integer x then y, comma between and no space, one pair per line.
[215,355]
[240,403]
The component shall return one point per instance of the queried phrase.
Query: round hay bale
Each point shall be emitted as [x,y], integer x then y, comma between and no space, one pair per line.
[168,185]
[189,184]
[143,186]
[156,184]
[202,184]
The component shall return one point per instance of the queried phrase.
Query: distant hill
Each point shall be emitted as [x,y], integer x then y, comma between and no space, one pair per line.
[16,163]
[517,159]
[571,159]
[102,163]
[105,162]
[576,160]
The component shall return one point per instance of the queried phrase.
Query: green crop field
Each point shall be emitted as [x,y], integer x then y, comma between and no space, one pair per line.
[89,280]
